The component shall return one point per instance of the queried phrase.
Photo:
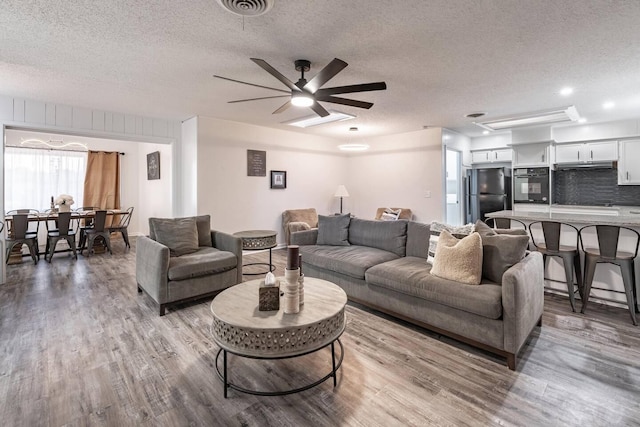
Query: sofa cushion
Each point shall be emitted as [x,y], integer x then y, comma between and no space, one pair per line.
[438,227]
[412,276]
[333,230]
[500,251]
[348,260]
[417,239]
[204,262]
[180,235]
[459,260]
[389,236]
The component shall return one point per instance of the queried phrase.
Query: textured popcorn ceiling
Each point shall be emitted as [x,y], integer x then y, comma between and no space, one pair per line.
[440,59]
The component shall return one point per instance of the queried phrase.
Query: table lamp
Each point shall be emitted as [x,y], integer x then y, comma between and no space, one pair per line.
[341,192]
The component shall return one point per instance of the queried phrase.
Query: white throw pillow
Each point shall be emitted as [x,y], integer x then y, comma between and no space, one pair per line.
[438,227]
[459,260]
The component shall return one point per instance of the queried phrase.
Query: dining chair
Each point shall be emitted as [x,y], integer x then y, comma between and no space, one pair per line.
[614,245]
[60,226]
[84,223]
[505,223]
[98,230]
[122,225]
[19,236]
[559,239]
[33,226]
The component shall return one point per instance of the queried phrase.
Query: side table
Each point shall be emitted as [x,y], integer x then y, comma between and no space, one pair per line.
[255,240]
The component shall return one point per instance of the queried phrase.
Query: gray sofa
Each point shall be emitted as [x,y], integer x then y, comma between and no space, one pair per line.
[214,264]
[384,267]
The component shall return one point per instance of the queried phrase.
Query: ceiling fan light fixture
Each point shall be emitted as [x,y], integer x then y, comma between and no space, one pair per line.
[302,99]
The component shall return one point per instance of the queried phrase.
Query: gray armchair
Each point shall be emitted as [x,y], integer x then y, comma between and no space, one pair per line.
[171,268]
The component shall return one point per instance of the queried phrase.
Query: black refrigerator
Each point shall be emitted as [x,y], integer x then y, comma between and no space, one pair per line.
[489,190]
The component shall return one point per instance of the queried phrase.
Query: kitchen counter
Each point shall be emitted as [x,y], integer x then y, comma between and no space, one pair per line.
[607,285]
[624,216]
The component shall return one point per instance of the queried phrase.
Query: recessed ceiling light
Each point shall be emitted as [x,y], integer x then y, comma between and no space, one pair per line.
[563,114]
[485,132]
[566,91]
[475,115]
[305,122]
[353,147]
[582,120]
[608,105]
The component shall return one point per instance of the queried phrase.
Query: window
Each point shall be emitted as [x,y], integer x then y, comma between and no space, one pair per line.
[33,176]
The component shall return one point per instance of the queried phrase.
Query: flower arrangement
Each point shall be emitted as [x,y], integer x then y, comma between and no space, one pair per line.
[64,199]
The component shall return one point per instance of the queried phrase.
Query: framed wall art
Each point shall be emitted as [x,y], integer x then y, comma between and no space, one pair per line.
[256,163]
[153,165]
[278,180]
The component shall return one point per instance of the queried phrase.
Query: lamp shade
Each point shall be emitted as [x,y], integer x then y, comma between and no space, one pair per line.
[341,191]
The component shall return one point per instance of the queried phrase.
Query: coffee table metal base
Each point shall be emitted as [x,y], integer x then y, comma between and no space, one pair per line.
[335,364]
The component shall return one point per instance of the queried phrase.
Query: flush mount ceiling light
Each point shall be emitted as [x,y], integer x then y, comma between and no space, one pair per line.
[475,115]
[305,122]
[353,147]
[566,91]
[247,7]
[563,114]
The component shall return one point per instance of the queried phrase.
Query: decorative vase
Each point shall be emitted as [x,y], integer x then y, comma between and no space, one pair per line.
[64,208]
[291,291]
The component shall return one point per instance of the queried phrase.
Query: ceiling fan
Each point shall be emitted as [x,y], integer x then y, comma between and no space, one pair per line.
[305,93]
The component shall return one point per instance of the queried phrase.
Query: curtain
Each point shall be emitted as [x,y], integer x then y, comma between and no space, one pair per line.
[33,176]
[102,180]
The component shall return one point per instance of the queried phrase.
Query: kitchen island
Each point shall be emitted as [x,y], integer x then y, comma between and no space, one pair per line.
[607,284]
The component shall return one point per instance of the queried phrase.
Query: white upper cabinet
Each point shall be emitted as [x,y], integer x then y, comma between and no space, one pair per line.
[531,155]
[491,156]
[602,151]
[628,171]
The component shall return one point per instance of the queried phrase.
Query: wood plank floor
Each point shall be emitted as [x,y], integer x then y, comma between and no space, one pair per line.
[79,346]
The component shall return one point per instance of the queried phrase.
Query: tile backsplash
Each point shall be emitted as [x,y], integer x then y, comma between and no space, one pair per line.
[593,187]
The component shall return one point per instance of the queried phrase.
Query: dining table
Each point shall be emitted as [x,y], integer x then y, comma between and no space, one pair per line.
[16,255]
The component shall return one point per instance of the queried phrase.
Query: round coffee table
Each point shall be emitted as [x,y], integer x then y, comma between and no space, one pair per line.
[256,240]
[241,329]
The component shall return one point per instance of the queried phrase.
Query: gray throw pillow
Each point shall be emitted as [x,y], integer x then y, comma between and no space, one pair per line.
[180,235]
[333,230]
[500,251]
[203,222]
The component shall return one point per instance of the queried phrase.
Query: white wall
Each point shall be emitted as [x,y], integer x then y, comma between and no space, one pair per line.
[154,196]
[458,142]
[399,171]
[238,202]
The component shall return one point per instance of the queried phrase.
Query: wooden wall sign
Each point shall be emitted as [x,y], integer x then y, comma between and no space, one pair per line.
[256,163]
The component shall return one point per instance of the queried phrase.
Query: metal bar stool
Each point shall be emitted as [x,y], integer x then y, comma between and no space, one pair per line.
[607,248]
[553,232]
[505,223]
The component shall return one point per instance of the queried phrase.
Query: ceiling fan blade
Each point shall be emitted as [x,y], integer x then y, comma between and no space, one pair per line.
[365,87]
[326,74]
[319,110]
[283,107]
[250,84]
[345,101]
[275,73]
[258,99]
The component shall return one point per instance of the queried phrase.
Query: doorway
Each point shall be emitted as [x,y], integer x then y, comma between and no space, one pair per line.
[453,164]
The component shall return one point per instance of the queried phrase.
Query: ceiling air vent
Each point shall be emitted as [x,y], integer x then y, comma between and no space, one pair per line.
[247,7]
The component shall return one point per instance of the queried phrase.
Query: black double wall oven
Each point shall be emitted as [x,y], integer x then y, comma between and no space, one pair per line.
[531,185]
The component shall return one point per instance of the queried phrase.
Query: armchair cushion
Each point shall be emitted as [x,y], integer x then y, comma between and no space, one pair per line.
[205,261]
[203,224]
[180,235]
